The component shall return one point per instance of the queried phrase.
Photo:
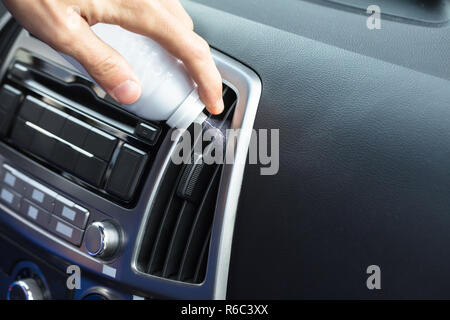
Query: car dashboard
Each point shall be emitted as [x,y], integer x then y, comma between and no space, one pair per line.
[363,175]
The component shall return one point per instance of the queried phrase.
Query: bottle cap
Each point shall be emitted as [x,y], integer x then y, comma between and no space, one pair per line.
[188,112]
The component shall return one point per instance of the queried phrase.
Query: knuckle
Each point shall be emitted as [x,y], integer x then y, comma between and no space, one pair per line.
[103,66]
[201,50]
[98,11]
[93,16]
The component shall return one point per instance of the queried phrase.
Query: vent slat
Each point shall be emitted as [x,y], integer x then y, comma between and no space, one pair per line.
[179,237]
[155,220]
[200,227]
[200,270]
[165,231]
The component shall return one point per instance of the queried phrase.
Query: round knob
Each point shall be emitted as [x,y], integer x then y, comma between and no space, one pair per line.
[94,296]
[26,289]
[102,239]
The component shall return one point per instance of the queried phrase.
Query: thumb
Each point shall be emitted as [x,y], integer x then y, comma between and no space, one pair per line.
[105,65]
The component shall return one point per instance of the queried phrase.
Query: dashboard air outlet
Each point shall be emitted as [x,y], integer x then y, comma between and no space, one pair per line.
[176,241]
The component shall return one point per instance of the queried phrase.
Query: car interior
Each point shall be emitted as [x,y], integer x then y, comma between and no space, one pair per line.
[358,114]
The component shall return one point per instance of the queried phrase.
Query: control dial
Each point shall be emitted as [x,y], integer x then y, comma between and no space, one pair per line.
[102,239]
[25,289]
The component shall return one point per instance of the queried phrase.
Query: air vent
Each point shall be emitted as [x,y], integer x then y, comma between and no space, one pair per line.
[176,242]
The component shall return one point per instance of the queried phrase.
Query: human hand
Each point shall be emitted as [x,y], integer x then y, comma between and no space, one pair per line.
[65,26]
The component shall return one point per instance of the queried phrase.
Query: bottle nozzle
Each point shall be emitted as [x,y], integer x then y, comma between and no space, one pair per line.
[189,111]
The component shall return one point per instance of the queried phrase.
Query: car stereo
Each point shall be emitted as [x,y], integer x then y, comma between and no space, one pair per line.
[54,116]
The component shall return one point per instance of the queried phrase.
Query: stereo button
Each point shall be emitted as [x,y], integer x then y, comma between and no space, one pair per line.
[39,197]
[11,198]
[71,212]
[42,145]
[53,121]
[100,144]
[32,110]
[64,156]
[22,135]
[9,100]
[146,132]
[34,213]
[127,172]
[65,230]
[75,131]
[12,181]
[90,169]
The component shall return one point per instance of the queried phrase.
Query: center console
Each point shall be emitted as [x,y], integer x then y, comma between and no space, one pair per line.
[85,183]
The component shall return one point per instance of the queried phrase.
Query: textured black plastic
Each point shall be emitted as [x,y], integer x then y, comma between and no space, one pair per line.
[364,152]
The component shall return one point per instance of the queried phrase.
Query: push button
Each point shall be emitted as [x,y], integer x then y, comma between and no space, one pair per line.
[12,181]
[64,156]
[39,197]
[65,230]
[75,131]
[9,100]
[22,135]
[100,144]
[71,212]
[42,145]
[32,109]
[146,132]
[127,171]
[34,213]
[10,198]
[52,120]
[91,169]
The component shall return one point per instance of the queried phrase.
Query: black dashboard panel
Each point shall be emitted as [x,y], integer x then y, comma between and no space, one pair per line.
[364,151]
[364,174]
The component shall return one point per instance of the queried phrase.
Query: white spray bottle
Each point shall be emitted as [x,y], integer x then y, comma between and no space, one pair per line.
[168,92]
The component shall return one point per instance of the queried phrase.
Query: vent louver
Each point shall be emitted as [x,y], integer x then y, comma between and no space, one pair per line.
[176,242]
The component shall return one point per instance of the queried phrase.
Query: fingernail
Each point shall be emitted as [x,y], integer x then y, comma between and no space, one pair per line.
[127,92]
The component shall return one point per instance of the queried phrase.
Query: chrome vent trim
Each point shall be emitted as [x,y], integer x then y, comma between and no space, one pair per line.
[247,87]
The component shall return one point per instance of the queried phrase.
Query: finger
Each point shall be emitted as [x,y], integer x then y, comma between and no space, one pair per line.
[195,52]
[106,66]
[151,19]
